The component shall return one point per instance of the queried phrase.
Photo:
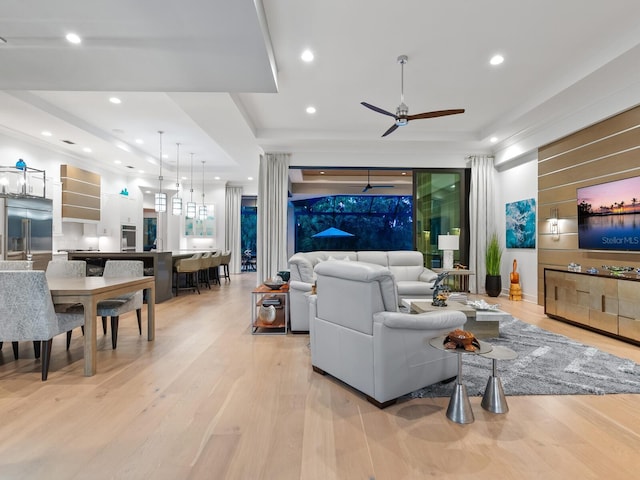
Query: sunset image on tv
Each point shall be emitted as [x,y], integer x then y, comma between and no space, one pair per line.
[609,215]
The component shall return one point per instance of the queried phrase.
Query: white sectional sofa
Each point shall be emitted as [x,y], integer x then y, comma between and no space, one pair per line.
[407,266]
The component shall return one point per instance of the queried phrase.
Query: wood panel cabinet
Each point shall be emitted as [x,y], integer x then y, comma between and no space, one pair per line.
[604,303]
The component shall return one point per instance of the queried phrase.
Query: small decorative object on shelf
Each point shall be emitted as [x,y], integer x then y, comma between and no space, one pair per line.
[267,314]
[592,270]
[274,283]
[21,164]
[574,267]
[617,270]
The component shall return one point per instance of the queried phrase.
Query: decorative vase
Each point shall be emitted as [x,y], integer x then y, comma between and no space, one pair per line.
[267,314]
[493,285]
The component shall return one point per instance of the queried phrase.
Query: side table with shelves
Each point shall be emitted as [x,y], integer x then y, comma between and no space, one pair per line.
[279,298]
[458,278]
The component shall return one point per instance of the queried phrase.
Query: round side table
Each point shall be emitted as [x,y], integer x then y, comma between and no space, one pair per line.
[493,399]
[459,409]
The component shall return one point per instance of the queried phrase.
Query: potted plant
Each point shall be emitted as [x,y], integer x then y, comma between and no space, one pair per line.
[493,257]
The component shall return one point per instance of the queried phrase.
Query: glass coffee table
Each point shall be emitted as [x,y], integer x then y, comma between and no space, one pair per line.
[459,409]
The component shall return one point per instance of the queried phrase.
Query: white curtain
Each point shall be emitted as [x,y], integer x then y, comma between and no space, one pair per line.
[232,207]
[272,214]
[481,217]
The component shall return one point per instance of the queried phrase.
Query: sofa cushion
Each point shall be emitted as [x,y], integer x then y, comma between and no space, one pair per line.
[373,256]
[408,288]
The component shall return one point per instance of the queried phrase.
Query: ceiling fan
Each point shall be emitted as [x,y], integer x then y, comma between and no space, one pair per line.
[369,186]
[402,116]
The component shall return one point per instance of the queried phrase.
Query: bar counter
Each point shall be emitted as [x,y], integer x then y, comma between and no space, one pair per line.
[158,264]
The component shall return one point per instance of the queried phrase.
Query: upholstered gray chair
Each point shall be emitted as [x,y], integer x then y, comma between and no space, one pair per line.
[214,267]
[27,312]
[358,335]
[204,274]
[114,307]
[67,269]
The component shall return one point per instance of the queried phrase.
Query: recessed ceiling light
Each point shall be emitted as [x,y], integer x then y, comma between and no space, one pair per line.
[116,101]
[147,191]
[87,149]
[117,162]
[249,178]
[321,173]
[311,110]
[139,141]
[183,178]
[140,171]
[493,139]
[73,38]
[404,173]
[496,59]
[46,133]
[307,55]
[216,178]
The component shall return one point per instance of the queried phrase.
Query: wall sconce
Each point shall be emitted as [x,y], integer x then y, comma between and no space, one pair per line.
[553,223]
[448,243]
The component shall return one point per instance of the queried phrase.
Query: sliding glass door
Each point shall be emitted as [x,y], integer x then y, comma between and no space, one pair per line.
[440,208]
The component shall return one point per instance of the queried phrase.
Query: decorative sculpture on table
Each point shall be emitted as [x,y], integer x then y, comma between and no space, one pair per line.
[440,291]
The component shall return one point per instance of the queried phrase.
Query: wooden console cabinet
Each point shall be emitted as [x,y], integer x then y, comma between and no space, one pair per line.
[601,302]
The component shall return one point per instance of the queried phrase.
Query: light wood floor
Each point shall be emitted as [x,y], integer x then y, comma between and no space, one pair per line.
[207,400]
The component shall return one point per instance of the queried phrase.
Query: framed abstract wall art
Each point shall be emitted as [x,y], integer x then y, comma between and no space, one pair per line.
[521,224]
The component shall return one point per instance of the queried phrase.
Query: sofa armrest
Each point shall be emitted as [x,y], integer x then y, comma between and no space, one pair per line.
[428,276]
[300,286]
[422,321]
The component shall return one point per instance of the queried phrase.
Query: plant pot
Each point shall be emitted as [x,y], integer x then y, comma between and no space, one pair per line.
[493,285]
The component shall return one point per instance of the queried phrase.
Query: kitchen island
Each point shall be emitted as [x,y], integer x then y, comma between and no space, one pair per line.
[157,264]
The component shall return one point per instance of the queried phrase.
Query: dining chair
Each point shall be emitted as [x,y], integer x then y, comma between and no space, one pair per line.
[27,312]
[115,307]
[66,269]
[15,265]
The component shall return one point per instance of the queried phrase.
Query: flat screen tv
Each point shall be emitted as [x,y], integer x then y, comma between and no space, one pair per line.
[609,215]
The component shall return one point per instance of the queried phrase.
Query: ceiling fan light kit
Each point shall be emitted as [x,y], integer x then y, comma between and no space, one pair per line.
[402,116]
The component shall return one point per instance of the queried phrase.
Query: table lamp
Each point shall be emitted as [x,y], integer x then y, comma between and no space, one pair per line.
[448,243]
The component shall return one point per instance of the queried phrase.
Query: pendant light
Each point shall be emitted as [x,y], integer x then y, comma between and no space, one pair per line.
[191,205]
[160,198]
[202,211]
[176,202]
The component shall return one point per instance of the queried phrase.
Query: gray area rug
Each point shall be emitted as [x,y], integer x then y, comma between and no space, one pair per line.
[547,364]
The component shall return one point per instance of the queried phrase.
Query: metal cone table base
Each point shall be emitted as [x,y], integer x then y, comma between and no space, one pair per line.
[459,409]
[493,399]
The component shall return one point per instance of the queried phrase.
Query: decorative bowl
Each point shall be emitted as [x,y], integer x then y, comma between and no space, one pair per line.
[273,284]
[482,305]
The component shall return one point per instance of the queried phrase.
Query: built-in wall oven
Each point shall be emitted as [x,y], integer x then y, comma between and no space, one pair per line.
[128,239]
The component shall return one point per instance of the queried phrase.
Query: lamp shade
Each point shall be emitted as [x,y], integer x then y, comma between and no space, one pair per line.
[161,202]
[448,242]
[191,210]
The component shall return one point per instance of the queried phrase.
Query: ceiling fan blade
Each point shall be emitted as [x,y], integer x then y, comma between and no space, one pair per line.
[437,113]
[367,188]
[377,109]
[391,130]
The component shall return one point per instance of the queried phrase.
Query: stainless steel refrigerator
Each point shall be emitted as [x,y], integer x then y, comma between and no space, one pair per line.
[27,225]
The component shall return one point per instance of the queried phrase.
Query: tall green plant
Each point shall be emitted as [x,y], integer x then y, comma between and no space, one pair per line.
[493,255]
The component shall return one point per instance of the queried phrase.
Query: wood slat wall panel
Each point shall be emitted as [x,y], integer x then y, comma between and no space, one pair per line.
[72,211]
[562,169]
[595,172]
[594,152]
[71,198]
[622,121]
[80,193]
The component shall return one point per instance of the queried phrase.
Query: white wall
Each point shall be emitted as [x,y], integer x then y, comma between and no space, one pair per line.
[519,182]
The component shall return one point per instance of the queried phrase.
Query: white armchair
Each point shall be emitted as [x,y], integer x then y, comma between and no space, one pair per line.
[358,335]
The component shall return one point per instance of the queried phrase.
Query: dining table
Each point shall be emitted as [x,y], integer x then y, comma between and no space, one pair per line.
[88,291]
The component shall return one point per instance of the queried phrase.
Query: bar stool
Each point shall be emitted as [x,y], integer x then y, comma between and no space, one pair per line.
[189,267]
[215,267]
[203,274]
[224,262]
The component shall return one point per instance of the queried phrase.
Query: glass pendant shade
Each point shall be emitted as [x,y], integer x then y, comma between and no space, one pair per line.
[202,212]
[176,205]
[161,202]
[191,210]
